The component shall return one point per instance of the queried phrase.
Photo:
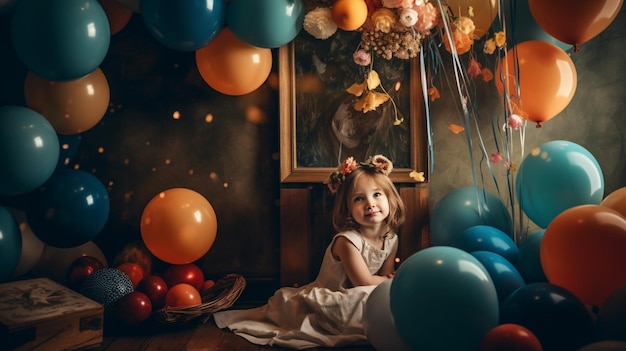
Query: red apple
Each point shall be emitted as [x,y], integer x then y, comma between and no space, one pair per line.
[133,270]
[188,273]
[80,269]
[155,288]
[134,307]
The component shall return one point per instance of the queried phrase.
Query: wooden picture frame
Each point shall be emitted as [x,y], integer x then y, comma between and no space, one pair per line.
[294,85]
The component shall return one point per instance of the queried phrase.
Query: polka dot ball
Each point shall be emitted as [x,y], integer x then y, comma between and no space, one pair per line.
[106,286]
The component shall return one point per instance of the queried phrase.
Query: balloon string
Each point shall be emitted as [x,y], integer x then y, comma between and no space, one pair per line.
[427,109]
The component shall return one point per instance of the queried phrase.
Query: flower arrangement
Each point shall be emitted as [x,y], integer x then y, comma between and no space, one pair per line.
[377,163]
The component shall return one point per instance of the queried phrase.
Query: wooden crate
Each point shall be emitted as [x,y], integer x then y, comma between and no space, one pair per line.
[40,314]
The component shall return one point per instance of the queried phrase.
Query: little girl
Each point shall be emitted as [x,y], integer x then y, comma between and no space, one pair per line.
[328,312]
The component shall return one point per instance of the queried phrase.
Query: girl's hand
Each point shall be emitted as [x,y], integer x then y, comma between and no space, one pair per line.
[391,275]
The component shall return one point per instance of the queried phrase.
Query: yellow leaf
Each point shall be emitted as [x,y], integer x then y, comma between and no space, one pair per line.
[417,176]
[371,101]
[373,80]
[455,128]
[357,89]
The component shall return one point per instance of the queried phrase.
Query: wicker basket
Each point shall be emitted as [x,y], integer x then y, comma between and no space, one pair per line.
[220,296]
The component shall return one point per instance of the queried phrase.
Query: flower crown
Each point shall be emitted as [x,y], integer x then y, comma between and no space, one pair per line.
[377,163]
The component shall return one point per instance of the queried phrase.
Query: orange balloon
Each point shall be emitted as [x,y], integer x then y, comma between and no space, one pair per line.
[574,22]
[349,14]
[117,14]
[484,11]
[583,250]
[182,295]
[616,201]
[231,66]
[178,226]
[72,107]
[547,79]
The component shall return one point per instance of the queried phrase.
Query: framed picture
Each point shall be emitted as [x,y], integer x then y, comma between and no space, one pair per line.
[319,126]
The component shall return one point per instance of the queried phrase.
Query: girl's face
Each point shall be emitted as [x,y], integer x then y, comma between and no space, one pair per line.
[368,203]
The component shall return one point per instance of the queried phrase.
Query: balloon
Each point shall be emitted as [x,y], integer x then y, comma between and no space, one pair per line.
[32,248]
[185,25]
[265,24]
[156,288]
[510,337]
[529,259]
[442,298]
[487,238]
[231,66]
[60,40]
[378,322]
[182,295]
[188,273]
[55,263]
[29,150]
[557,318]
[464,208]
[521,25]
[10,244]
[349,15]
[556,176]
[616,201]
[70,210]
[547,80]
[71,107]
[485,12]
[117,14]
[611,319]
[504,275]
[574,22]
[178,226]
[583,251]
[608,345]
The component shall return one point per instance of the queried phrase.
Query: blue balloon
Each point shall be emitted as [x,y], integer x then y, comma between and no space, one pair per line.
[29,150]
[529,260]
[464,208]
[60,40]
[70,209]
[442,298]
[265,24]
[487,238]
[557,176]
[10,244]
[184,25]
[504,275]
[555,315]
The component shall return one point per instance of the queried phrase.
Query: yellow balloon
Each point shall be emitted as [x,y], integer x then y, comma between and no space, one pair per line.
[72,107]
[482,12]
[178,226]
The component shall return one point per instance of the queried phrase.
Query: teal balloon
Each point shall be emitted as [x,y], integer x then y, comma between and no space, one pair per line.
[267,23]
[184,25]
[60,40]
[442,298]
[10,244]
[463,208]
[504,275]
[529,259]
[29,150]
[557,176]
[554,314]
[70,209]
[487,238]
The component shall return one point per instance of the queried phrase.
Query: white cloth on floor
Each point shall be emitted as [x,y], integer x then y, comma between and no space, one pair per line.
[327,312]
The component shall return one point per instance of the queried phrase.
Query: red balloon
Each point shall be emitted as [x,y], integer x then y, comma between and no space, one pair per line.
[574,22]
[155,288]
[510,337]
[80,269]
[183,295]
[133,270]
[188,273]
[583,249]
[547,80]
[134,307]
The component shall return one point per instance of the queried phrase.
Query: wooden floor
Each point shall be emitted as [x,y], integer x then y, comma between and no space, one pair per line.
[197,337]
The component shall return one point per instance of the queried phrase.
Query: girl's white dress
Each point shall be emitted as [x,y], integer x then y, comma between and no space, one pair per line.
[327,312]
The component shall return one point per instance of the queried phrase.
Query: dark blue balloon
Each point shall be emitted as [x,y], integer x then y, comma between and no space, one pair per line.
[10,244]
[29,150]
[184,25]
[487,238]
[555,315]
[60,40]
[529,259]
[504,275]
[70,209]
[265,24]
